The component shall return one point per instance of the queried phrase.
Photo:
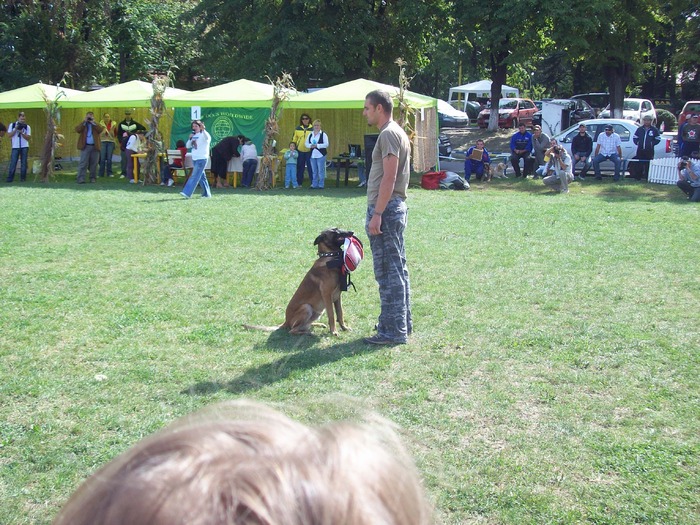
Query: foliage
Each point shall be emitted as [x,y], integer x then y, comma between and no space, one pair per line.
[666,118]
[551,377]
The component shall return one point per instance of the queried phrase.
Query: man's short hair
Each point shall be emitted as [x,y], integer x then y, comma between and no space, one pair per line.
[241,463]
[608,128]
[380,97]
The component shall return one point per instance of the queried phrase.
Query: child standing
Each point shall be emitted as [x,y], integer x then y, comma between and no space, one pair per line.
[290,175]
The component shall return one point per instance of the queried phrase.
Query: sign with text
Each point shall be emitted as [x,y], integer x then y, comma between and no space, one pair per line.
[221,123]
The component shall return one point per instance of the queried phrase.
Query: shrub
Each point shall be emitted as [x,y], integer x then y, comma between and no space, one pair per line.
[667,118]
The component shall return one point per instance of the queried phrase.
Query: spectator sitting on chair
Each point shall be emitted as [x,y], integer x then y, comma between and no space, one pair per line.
[646,137]
[608,147]
[689,177]
[520,147]
[477,161]
[166,176]
[581,148]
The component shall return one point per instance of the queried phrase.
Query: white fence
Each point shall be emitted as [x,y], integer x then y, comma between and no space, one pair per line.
[664,170]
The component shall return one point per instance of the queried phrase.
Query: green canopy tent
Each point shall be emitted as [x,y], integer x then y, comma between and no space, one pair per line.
[134,95]
[340,110]
[240,107]
[30,99]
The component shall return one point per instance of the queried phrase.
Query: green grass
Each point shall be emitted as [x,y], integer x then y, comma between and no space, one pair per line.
[552,376]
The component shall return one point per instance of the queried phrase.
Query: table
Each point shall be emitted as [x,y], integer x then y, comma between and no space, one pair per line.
[136,156]
[235,169]
[343,162]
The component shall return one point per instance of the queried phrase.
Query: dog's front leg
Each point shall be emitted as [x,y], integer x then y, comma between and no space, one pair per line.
[328,303]
[339,314]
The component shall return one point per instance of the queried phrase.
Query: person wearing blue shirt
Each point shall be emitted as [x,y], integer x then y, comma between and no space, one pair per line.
[477,161]
[520,147]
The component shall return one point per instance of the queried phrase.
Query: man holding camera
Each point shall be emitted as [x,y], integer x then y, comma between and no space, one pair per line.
[89,146]
[558,172]
[19,133]
[689,178]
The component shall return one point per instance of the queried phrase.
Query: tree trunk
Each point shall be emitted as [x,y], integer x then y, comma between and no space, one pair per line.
[618,77]
[499,71]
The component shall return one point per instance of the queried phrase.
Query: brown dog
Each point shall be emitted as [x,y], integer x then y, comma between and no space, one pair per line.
[319,289]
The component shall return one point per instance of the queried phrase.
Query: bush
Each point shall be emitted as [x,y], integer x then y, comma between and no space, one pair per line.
[667,118]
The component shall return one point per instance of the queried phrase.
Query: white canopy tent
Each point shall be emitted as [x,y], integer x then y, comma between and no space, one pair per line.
[480,89]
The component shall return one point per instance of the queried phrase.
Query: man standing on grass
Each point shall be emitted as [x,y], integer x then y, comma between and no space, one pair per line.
[386,220]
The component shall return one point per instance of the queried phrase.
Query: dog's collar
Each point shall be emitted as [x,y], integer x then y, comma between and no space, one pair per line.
[329,254]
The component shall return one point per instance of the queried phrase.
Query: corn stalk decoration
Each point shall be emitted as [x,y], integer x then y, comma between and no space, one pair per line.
[282,86]
[405,111]
[53,137]
[154,138]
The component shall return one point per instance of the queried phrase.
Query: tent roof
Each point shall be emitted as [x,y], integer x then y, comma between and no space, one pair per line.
[351,95]
[31,96]
[482,86]
[239,93]
[134,93]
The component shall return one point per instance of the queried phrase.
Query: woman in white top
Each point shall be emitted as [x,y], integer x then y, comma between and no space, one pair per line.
[198,142]
[317,141]
[249,156]
[133,145]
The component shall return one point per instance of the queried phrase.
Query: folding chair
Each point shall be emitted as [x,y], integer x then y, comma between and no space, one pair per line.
[172,155]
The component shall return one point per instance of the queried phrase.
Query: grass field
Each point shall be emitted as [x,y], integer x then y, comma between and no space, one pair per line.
[552,376]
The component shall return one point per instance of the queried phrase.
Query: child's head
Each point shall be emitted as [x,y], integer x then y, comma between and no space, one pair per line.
[243,463]
[180,144]
[292,146]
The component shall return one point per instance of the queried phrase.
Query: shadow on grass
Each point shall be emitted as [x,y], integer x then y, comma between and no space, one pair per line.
[283,367]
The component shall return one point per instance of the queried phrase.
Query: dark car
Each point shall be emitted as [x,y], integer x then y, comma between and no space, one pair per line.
[511,113]
[598,101]
[579,110]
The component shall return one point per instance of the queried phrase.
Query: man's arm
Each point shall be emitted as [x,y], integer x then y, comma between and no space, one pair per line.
[597,148]
[390,165]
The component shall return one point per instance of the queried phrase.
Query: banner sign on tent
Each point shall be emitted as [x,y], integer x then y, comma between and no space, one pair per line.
[221,123]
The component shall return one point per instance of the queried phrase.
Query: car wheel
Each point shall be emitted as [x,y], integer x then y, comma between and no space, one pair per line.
[515,123]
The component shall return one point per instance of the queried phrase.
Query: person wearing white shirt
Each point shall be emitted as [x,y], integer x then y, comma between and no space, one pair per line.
[133,145]
[19,133]
[317,141]
[198,142]
[249,156]
[608,147]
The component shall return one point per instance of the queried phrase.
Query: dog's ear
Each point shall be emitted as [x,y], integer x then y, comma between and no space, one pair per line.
[318,239]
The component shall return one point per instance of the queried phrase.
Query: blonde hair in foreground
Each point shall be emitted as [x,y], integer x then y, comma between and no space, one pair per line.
[244,463]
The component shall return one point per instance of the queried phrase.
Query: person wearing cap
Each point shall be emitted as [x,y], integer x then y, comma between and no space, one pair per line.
[89,145]
[689,137]
[581,149]
[608,147]
[126,128]
[689,178]
[646,137]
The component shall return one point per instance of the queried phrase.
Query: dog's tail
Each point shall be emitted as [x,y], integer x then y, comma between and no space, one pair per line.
[263,328]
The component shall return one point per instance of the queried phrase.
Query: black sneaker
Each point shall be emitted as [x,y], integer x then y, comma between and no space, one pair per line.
[381,340]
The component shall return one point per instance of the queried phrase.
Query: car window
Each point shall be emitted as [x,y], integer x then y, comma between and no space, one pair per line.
[630,105]
[622,131]
[691,108]
[646,106]
[508,104]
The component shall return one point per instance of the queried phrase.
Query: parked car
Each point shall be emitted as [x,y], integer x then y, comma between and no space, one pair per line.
[579,110]
[449,117]
[634,109]
[692,107]
[511,113]
[624,128]
[538,103]
[597,101]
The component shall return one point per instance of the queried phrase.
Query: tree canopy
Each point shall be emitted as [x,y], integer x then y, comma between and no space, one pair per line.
[629,47]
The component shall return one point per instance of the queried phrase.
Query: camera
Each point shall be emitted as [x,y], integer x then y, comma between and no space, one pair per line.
[20,126]
[683,165]
[556,150]
[89,119]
